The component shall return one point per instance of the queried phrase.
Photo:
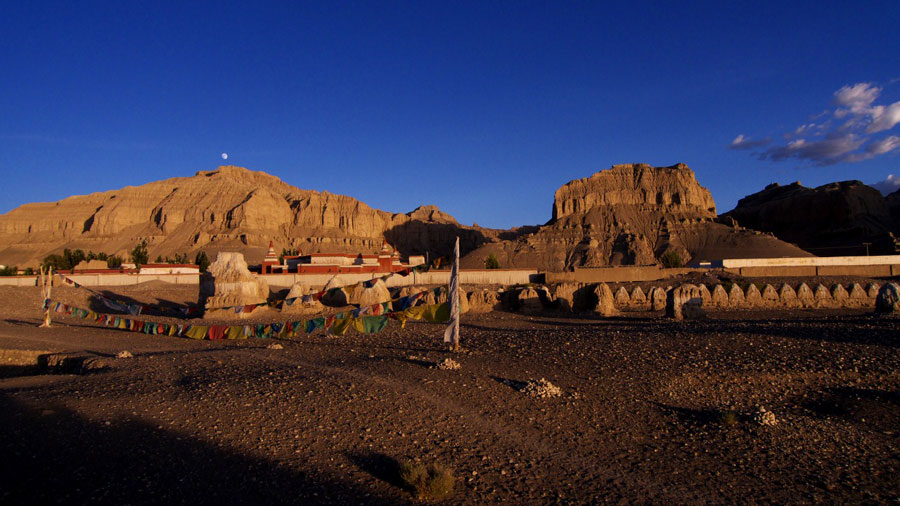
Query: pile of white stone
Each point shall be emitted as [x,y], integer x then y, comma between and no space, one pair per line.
[541,389]
[448,364]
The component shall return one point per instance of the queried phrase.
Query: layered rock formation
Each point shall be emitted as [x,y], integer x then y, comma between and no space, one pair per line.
[833,219]
[230,209]
[631,215]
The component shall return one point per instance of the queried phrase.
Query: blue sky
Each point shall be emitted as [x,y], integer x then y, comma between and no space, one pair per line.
[481,108]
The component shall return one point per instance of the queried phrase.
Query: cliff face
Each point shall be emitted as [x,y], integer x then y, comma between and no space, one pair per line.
[631,215]
[230,208]
[670,190]
[833,219]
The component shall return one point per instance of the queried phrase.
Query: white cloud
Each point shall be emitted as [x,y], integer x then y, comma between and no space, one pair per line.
[833,149]
[851,140]
[884,146]
[884,118]
[857,98]
[742,142]
[888,186]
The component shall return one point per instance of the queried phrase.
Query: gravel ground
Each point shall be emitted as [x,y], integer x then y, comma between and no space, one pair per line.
[651,411]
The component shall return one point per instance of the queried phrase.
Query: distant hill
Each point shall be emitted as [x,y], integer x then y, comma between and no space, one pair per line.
[230,208]
[832,219]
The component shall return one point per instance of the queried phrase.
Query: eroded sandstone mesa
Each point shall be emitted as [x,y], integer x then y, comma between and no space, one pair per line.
[631,214]
[673,190]
[227,209]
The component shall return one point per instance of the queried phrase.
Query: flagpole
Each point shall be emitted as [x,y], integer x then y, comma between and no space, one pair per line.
[451,335]
[46,287]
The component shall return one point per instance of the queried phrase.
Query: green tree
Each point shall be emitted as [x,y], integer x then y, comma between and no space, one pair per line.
[58,262]
[491,262]
[202,261]
[29,271]
[73,257]
[114,262]
[671,260]
[139,254]
[10,270]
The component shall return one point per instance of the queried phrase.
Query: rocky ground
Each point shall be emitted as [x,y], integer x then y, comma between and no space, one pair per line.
[649,410]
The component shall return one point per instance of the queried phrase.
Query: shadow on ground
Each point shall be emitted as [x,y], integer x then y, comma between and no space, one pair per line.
[53,455]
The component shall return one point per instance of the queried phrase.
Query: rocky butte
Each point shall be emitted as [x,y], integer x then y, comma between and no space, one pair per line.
[632,214]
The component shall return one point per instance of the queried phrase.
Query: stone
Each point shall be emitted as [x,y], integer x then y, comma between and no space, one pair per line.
[657,298]
[638,298]
[705,295]
[770,298]
[335,293]
[606,305]
[564,295]
[806,296]
[483,301]
[541,389]
[622,298]
[823,297]
[839,295]
[684,302]
[764,417]
[362,295]
[529,301]
[752,297]
[735,296]
[124,354]
[228,283]
[448,364]
[872,290]
[888,299]
[788,296]
[719,296]
[858,296]
[298,306]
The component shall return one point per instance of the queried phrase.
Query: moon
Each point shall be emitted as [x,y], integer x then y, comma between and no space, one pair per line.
[224,156]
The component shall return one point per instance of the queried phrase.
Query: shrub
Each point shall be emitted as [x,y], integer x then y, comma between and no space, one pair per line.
[491,262]
[671,260]
[10,270]
[58,262]
[114,262]
[139,254]
[29,271]
[433,481]
[202,261]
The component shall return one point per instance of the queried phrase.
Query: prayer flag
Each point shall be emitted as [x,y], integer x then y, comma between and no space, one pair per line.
[451,335]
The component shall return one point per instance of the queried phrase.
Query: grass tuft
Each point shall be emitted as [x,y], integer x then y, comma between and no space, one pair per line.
[728,418]
[429,482]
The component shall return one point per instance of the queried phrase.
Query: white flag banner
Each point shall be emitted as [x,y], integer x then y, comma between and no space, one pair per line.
[451,335]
